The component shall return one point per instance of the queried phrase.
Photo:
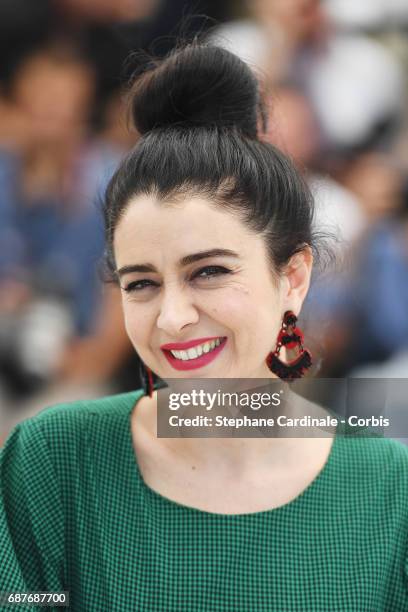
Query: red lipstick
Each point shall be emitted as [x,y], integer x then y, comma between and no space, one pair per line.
[198,362]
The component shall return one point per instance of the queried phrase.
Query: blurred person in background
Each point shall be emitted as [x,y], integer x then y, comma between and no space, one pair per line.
[374,178]
[54,317]
[375,306]
[352,82]
[107,31]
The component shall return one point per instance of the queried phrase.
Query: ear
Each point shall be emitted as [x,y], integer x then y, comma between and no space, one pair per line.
[297,275]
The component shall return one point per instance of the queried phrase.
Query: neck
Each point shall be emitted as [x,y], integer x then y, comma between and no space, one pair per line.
[236,457]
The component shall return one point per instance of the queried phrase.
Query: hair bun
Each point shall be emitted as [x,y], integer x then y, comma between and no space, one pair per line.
[197,85]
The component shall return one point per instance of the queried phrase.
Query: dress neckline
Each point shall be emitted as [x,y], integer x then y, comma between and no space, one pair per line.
[158,497]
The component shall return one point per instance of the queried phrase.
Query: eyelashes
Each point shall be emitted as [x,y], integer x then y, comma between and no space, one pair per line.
[138,285]
[211,272]
[206,273]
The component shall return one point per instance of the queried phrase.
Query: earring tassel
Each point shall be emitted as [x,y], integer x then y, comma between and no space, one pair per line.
[292,370]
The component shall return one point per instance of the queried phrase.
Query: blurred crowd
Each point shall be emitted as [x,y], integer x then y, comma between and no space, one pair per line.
[334,77]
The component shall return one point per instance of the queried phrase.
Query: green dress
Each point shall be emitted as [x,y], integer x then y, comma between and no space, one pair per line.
[75,515]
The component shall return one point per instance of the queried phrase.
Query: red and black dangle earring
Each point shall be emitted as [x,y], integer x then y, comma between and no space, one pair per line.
[290,337]
[146,379]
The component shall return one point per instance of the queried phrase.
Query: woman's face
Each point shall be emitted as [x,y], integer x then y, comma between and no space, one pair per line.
[191,276]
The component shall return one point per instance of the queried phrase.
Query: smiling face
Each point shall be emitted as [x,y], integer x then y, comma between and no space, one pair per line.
[193,275]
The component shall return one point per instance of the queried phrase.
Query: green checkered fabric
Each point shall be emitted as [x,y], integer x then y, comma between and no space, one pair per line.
[75,515]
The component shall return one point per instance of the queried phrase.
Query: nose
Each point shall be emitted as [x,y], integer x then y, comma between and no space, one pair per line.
[176,311]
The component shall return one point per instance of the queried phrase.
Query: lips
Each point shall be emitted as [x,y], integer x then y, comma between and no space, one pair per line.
[198,362]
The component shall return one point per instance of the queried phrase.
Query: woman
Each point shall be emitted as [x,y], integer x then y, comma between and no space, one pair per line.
[208,234]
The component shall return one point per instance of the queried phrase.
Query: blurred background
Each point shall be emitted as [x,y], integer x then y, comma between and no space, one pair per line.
[335,77]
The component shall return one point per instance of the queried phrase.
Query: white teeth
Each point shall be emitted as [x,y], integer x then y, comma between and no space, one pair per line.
[195,352]
[192,353]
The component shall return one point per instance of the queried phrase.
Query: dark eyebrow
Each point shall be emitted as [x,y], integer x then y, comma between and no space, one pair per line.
[184,261]
[189,259]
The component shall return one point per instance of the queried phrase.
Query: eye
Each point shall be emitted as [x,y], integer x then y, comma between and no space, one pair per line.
[139,285]
[210,271]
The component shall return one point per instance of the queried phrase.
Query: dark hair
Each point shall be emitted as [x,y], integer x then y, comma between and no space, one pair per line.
[198,112]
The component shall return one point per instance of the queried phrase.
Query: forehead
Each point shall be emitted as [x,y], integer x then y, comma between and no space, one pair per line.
[187,226]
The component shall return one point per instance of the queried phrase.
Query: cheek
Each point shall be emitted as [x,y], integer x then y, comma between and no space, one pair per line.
[137,322]
[246,306]
[231,307]
[251,313]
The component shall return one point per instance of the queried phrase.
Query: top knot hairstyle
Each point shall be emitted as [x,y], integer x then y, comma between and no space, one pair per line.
[198,112]
[197,86]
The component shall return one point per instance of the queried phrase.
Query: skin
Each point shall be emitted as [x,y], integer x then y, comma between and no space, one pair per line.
[246,306]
